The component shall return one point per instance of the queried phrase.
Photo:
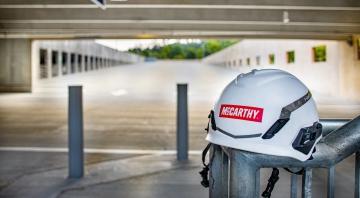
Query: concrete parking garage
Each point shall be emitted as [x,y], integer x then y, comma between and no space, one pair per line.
[130,110]
[129,114]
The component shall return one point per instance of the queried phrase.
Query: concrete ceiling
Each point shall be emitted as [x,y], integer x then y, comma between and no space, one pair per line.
[318,19]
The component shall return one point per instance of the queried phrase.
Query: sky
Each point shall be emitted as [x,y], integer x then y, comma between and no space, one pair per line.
[125,44]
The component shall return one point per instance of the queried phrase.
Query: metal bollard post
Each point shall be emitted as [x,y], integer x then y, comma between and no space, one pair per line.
[182,122]
[76,141]
[357,175]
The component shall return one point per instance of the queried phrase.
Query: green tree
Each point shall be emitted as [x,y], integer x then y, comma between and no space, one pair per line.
[184,51]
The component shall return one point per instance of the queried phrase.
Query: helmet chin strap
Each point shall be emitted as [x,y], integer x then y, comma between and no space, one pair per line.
[205,171]
[271,183]
[275,177]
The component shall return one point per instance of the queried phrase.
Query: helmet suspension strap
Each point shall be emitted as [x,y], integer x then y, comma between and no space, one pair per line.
[271,183]
[205,171]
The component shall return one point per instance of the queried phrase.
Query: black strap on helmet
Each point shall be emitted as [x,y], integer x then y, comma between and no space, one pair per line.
[212,120]
[204,173]
[275,177]
[299,171]
[271,183]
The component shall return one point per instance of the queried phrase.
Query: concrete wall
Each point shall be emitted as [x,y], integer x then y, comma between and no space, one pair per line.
[20,60]
[337,76]
[85,48]
[349,69]
[15,65]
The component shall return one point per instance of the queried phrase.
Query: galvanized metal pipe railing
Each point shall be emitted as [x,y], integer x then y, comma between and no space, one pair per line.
[235,173]
[330,124]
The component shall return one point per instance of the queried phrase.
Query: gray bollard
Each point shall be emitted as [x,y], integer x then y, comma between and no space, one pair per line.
[76,140]
[182,128]
[357,175]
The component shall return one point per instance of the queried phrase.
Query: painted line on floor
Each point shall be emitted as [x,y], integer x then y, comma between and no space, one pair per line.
[96,150]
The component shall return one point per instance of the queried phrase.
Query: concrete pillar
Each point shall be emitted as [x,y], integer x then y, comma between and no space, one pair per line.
[68,63]
[83,62]
[49,63]
[76,65]
[59,63]
[349,64]
[15,65]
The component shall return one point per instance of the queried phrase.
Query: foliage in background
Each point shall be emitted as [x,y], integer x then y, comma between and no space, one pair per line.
[319,53]
[184,51]
[290,56]
[271,59]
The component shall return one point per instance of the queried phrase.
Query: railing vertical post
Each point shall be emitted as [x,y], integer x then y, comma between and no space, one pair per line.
[76,142]
[225,175]
[306,183]
[331,182]
[243,173]
[293,187]
[357,175]
[182,122]
[215,178]
[257,183]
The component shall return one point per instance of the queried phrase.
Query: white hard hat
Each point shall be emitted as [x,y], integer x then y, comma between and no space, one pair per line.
[266,111]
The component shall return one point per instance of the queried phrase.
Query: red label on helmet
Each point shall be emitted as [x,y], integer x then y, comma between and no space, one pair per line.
[254,114]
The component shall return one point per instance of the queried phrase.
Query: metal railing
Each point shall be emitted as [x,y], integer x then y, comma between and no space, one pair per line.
[236,173]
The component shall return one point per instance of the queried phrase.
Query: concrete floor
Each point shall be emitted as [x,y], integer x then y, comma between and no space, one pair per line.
[15,165]
[150,176]
[130,106]
[185,183]
[126,107]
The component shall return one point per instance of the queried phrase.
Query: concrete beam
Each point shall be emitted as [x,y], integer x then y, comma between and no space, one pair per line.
[158,29]
[140,34]
[181,6]
[80,18]
[144,14]
[180,25]
[326,3]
